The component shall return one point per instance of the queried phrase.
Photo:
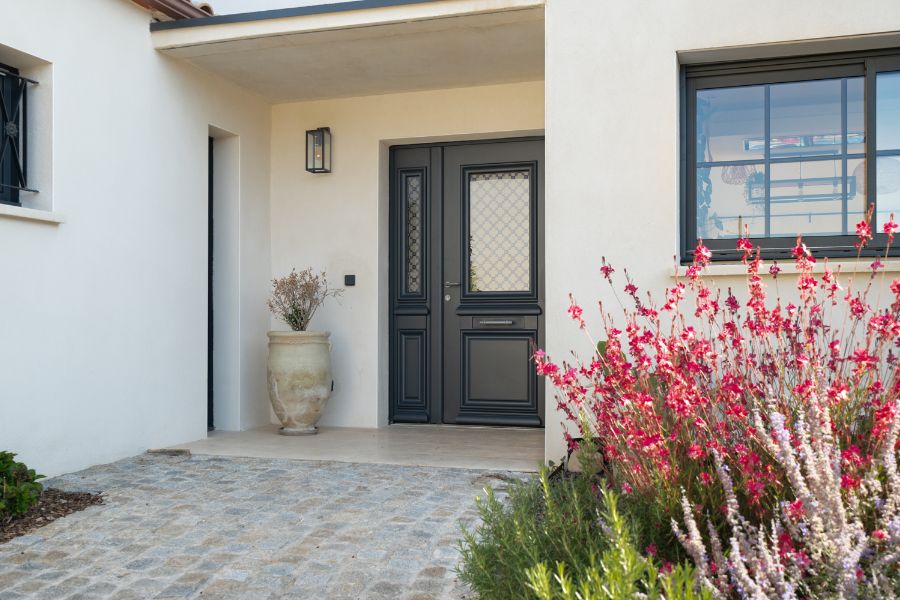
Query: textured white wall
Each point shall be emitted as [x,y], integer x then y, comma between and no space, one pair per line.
[103,318]
[338,221]
[612,130]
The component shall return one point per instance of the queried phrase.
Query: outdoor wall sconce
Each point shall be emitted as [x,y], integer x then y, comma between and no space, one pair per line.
[318,150]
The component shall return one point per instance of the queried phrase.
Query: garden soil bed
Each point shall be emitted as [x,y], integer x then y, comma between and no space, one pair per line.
[52,505]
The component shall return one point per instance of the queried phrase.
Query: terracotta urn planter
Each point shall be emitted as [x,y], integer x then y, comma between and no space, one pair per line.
[300,381]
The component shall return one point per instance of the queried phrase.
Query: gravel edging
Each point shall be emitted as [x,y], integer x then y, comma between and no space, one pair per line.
[52,504]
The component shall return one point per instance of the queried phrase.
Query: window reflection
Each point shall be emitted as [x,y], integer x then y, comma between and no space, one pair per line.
[729,123]
[887,142]
[887,111]
[798,173]
[805,118]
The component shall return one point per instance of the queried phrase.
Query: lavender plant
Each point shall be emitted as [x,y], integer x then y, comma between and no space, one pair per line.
[828,542]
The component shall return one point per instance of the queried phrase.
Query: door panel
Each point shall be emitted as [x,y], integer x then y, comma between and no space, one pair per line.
[498,368]
[414,235]
[413,360]
[467,296]
[492,247]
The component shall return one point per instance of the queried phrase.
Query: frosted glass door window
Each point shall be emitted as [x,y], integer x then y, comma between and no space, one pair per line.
[499,213]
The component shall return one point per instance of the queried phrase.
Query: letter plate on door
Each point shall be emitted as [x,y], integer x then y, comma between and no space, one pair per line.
[497,322]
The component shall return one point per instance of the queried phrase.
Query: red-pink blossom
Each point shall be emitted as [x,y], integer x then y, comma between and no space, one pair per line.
[863,233]
[801,250]
[796,510]
[889,228]
[702,254]
[746,248]
[575,311]
[849,482]
[606,269]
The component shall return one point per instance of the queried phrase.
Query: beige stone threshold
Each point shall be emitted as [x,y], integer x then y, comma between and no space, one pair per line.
[484,448]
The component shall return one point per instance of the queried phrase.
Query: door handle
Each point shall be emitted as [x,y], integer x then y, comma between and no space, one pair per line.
[451,284]
[496,322]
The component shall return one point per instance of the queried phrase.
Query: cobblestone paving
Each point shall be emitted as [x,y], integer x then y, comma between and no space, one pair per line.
[211,527]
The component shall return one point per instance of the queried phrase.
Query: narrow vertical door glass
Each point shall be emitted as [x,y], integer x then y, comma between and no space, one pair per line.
[413,239]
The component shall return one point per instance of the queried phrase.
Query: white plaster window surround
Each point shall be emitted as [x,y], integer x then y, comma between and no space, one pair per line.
[35,206]
[737,269]
[31,214]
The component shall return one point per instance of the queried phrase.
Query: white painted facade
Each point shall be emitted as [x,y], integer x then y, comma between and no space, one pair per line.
[103,316]
[103,283]
[624,119]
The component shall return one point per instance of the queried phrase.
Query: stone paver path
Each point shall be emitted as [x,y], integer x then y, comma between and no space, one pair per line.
[212,527]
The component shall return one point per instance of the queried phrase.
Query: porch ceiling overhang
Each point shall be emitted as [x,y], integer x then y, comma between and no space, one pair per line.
[408,47]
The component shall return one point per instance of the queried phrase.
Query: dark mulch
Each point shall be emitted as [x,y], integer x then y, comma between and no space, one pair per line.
[52,505]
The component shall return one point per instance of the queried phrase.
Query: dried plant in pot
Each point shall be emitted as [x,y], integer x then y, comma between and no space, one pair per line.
[299,362]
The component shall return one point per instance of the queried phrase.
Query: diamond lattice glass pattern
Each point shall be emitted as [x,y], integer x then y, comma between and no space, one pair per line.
[414,234]
[500,232]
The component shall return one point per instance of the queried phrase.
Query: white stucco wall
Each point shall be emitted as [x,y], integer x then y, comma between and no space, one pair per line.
[612,129]
[103,317]
[338,221]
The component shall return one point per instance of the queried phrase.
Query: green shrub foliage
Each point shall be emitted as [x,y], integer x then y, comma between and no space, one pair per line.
[19,489]
[539,522]
[621,574]
[560,540]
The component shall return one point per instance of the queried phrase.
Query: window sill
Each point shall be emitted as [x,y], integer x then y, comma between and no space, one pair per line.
[891,265]
[30,214]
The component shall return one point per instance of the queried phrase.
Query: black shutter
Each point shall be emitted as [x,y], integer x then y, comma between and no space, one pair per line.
[12,134]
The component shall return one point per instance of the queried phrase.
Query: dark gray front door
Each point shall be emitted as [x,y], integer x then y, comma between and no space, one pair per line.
[466,285]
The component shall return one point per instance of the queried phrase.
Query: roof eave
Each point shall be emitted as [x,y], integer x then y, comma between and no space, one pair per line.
[173,9]
[282,13]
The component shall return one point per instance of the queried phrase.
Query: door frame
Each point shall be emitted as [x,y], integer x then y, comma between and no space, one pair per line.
[210,318]
[434,203]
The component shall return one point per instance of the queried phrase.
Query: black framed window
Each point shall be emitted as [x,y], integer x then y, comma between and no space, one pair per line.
[13,117]
[779,148]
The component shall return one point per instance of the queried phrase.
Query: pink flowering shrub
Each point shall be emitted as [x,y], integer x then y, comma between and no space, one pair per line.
[700,383]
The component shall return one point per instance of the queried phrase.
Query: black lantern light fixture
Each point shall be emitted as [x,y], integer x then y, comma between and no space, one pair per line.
[318,150]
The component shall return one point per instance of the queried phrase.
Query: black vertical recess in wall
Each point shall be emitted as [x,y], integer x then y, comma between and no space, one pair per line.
[209,296]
